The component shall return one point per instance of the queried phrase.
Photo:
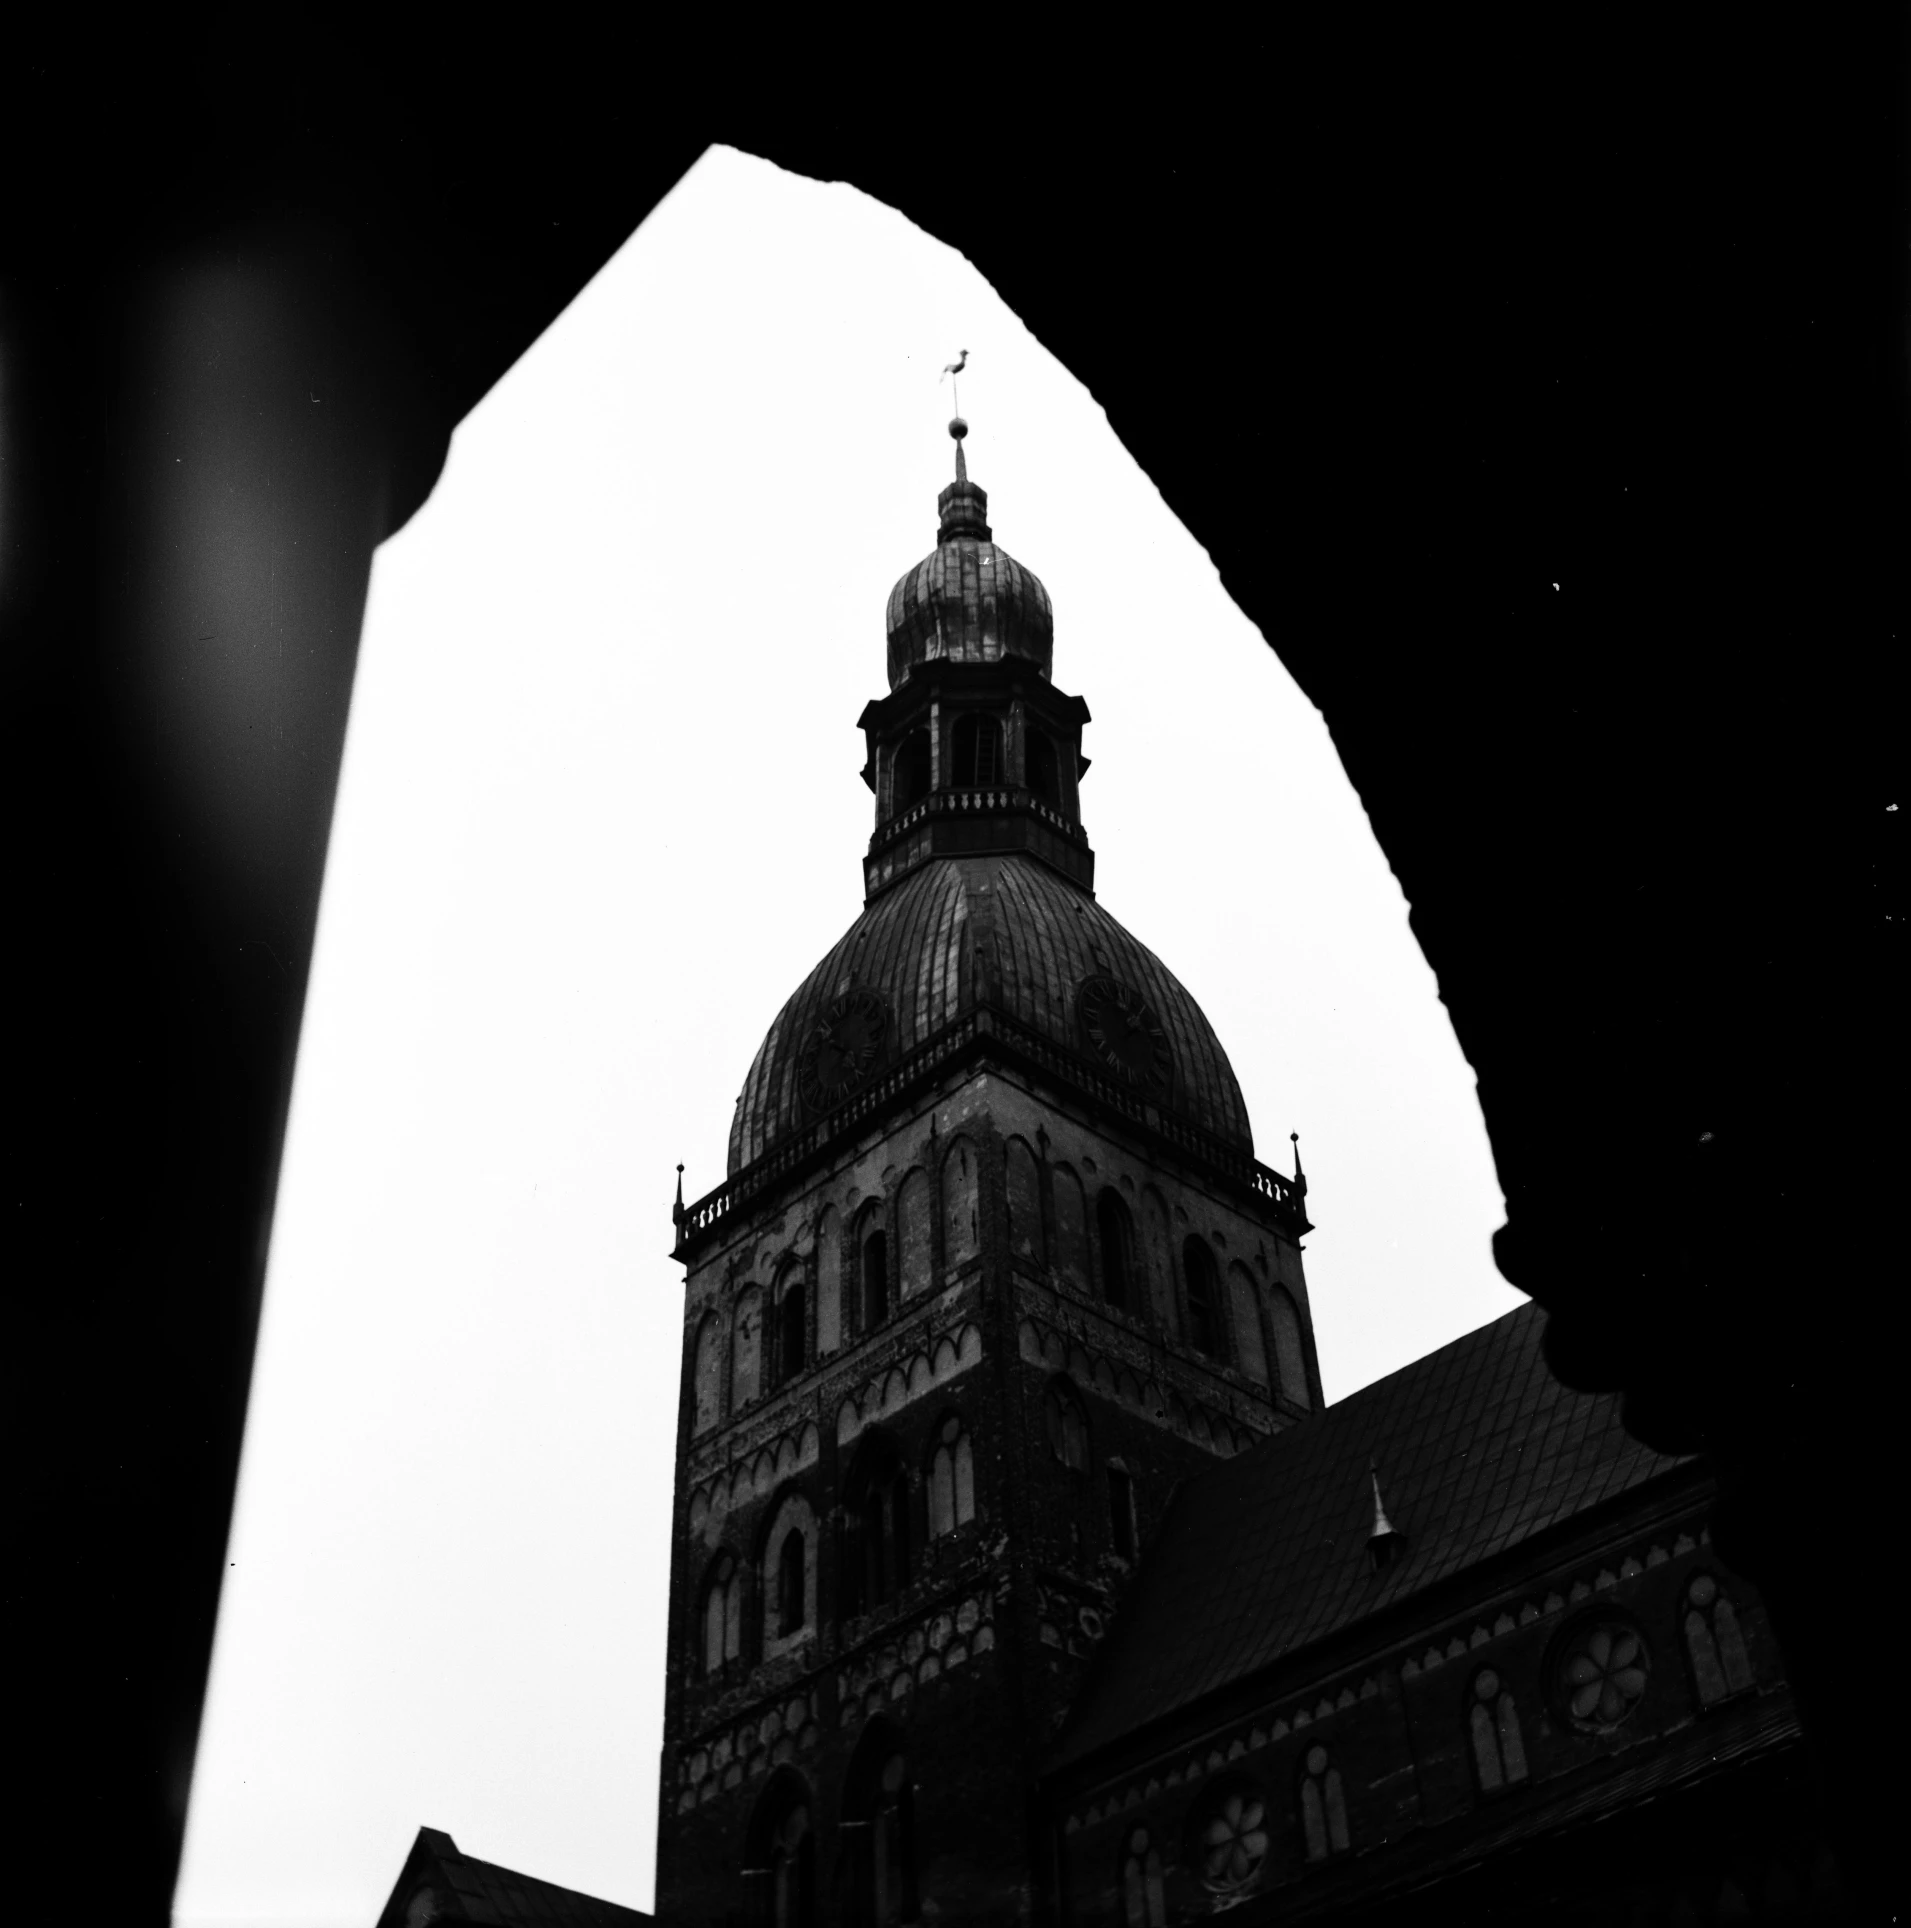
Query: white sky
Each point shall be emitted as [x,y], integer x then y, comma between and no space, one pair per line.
[599,816]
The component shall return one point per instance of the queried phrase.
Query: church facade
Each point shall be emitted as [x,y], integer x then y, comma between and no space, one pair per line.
[1017,1573]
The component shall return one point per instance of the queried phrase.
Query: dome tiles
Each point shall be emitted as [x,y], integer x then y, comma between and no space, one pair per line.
[1000,930]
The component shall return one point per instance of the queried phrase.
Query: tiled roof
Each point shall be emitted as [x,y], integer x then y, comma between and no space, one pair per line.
[465,1889]
[1001,930]
[1477,1447]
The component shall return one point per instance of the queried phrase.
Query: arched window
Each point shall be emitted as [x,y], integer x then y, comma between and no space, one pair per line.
[788,1570]
[1117,1238]
[1323,1807]
[961,1215]
[791,1612]
[1067,1425]
[792,1323]
[1714,1642]
[876,1563]
[1071,1229]
[1024,1185]
[1156,1248]
[1204,1298]
[977,745]
[746,1366]
[1143,1904]
[1290,1363]
[911,781]
[1044,769]
[875,1272]
[951,1479]
[1499,1752]
[1121,1512]
[1244,1304]
[706,1374]
[912,1233]
[780,1850]
[829,1283]
[720,1622]
[879,1830]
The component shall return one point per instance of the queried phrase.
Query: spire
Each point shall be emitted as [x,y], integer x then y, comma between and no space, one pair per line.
[964,506]
[676,1211]
[1386,1540]
[1300,1177]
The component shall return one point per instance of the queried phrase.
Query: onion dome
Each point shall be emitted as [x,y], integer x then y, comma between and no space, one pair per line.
[1002,931]
[969,601]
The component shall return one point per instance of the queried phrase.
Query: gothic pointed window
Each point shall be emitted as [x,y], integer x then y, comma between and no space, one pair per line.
[961,1205]
[829,1282]
[1067,1425]
[910,783]
[1143,1901]
[875,1272]
[721,1621]
[951,1479]
[1323,1806]
[1023,1182]
[1290,1364]
[1714,1642]
[1071,1228]
[1204,1298]
[1499,1749]
[876,1546]
[791,1611]
[1116,1234]
[914,1210]
[706,1375]
[780,1855]
[746,1364]
[1121,1512]
[792,1324]
[976,745]
[1244,1306]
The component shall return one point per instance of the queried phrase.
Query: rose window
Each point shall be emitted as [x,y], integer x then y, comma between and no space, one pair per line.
[1233,1841]
[1604,1675]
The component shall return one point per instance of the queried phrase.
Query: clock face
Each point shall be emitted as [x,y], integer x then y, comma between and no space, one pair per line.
[843,1049]
[1124,1033]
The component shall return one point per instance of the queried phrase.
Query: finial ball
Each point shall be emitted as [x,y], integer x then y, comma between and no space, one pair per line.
[958,428]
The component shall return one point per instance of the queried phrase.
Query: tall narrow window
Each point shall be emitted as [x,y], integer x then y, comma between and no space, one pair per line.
[913,1212]
[1244,1306]
[1204,1298]
[1044,769]
[977,745]
[792,1326]
[746,1365]
[1323,1807]
[706,1374]
[1121,1513]
[1067,1426]
[1143,1902]
[1290,1365]
[791,1611]
[1714,1642]
[1117,1238]
[961,1206]
[829,1283]
[1071,1228]
[793,1872]
[911,780]
[1499,1749]
[893,1848]
[1023,1179]
[1157,1246]
[722,1626]
[878,1861]
[951,1479]
[875,1280]
[876,1555]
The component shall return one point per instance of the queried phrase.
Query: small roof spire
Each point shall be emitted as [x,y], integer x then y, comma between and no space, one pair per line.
[1386,1539]
[1300,1177]
[676,1211]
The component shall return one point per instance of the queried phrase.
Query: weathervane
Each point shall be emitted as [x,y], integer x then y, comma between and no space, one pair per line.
[955,368]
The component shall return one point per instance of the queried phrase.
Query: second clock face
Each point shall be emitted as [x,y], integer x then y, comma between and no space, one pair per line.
[1124,1033]
[843,1049]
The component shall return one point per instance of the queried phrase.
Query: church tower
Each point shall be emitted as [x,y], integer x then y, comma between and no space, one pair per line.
[994,1266]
